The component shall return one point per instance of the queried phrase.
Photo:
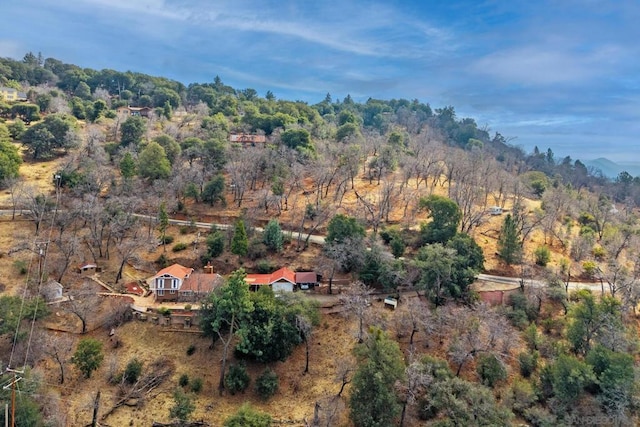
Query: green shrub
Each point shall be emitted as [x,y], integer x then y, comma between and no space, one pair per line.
[164,311]
[267,384]
[528,363]
[179,247]
[132,371]
[491,370]
[183,381]
[599,253]
[521,396]
[397,247]
[542,255]
[237,379]
[191,349]
[265,267]
[166,240]
[246,416]
[196,385]
[21,266]
[162,261]
[589,268]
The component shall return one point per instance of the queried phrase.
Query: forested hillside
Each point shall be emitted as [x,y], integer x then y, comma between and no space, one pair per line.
[412,201]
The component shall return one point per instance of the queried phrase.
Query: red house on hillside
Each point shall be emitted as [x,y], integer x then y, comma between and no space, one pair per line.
[283,280]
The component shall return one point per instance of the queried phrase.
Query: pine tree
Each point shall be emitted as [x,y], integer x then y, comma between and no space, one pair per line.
[373,400]
[272,236]
[509,244]
[127,166]
[240,241]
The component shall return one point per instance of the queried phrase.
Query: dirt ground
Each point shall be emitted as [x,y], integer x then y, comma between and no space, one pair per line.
[293,403]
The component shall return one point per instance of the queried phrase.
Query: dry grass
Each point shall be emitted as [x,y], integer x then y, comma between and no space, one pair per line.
[293,402]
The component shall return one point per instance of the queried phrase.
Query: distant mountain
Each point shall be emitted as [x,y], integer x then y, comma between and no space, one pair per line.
[612,169]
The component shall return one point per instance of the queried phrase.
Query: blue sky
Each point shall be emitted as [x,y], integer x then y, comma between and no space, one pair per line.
[560,74]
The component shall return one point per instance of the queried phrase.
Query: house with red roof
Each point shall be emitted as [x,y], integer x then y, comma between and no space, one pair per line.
[282,280]
[179,283]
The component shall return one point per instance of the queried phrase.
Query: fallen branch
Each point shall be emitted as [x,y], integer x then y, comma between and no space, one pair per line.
[181,424]
[160,370]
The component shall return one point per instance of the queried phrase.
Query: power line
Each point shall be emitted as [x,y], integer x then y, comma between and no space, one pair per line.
[42,249]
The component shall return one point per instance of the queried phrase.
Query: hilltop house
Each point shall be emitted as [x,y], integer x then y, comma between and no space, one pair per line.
[247,139]
[179,283]
[134,111]
[283,280]
[10,94]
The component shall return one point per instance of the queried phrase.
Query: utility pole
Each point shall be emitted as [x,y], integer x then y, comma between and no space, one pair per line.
[14,381]
[41,247]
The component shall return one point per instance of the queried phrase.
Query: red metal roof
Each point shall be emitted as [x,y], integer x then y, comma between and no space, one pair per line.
[267,279]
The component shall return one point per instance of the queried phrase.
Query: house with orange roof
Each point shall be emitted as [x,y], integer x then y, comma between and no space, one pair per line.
[282,280]
[179,283]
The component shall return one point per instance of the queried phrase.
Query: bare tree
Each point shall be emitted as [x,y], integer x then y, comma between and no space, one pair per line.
[67,248]
[83,303]
[58,346]
[356,301]
[344,374]
[37,206]
[476,331]
[305,328]
[14,188]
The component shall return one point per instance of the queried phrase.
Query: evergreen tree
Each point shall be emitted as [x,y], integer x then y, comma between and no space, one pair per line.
[445,217]
[127,166]
[240,241]
[153,162]
[509,244]
[272,236]
[132,131]
[373,400]
[88,356]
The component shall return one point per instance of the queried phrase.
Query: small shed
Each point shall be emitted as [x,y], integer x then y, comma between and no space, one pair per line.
[495,210]
[88,269]
[390,302]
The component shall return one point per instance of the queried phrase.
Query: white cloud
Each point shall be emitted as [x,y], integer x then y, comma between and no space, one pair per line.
[543,65]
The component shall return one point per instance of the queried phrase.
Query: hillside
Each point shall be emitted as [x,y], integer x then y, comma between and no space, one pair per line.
[403,195]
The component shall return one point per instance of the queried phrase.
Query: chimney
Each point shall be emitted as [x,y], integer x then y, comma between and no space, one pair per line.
[208,269]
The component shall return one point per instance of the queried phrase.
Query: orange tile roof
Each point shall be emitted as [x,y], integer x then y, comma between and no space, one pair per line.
[283,273]
[175,270]
[267,279]
[258,279]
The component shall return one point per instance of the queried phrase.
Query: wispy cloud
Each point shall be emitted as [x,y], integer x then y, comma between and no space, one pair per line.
[542,70]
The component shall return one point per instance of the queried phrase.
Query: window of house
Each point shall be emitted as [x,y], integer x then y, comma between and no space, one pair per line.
[172,291]
[160,293]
